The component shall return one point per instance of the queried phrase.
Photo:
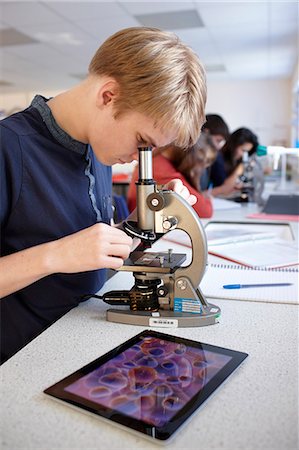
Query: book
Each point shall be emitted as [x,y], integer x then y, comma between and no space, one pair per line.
[218,275]
[219,233]
[215,237]
[269,253]
[235,235]
[225,231]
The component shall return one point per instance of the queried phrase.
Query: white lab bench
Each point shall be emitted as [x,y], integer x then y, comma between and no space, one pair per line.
[257,408]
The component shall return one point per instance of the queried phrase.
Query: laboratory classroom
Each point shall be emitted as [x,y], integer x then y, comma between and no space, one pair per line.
[249,52]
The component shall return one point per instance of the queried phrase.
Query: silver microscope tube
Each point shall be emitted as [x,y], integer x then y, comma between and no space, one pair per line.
[145,164]
[145,186]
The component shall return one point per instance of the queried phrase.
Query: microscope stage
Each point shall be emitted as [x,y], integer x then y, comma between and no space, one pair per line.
[154,262]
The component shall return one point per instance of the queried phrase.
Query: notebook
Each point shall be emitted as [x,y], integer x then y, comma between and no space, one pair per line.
[261,245]
[270,253]
[224,236]
[219,232]
[218,275]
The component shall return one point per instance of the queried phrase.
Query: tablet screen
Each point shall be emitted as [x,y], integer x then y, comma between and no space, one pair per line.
[151,383]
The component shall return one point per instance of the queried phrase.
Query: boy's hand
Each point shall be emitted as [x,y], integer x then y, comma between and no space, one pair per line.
[177,186]
[99,246]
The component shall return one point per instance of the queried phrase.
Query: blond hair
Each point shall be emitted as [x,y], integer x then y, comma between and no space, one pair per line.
[158,76]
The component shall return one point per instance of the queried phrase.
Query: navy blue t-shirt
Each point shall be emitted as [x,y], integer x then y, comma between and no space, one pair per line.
[51,186]
[217,171]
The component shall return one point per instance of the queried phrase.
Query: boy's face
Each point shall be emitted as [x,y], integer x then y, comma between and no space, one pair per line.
[117,140]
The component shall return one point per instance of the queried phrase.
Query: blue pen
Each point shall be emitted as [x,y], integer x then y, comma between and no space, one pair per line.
[240,286]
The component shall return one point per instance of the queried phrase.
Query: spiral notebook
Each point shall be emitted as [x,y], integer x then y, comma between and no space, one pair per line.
[217,275]
[270,253]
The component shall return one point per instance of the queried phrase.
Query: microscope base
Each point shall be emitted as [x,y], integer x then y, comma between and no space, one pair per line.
[170,319]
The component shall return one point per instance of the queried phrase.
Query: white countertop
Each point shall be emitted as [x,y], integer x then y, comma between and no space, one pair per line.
[257,408]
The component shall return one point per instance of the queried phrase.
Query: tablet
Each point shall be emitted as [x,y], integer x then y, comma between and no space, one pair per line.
[151,383]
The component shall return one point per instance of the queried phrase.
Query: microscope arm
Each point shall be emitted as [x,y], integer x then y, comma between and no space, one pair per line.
[186,219]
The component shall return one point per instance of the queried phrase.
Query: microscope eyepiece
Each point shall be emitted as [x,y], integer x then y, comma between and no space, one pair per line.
[145,165]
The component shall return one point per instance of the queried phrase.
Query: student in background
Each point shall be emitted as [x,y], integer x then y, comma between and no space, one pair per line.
[240,141]
[218,131]
[240,161]
[186,165]
[217,128]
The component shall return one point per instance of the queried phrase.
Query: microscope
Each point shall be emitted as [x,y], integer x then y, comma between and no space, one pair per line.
[252,180]
[164,293]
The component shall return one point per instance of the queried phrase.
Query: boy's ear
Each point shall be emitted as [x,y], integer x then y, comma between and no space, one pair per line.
[107,94]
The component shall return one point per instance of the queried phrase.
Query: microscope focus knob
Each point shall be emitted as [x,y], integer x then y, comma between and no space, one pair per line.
[169,222]
[155,201]
[162,291]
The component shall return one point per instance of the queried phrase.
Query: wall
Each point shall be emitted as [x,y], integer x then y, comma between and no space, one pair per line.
[295,106]
[11,103]
[263,106]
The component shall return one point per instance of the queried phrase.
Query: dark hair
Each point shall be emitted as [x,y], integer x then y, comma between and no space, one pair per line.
[216,125]
[192,161]
[237,138]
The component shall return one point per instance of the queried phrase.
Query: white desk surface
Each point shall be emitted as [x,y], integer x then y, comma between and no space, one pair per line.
[257,408]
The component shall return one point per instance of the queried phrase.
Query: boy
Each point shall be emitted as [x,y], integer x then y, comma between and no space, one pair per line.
[144,87]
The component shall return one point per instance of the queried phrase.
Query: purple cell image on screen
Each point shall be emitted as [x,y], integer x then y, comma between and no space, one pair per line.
[152,380]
